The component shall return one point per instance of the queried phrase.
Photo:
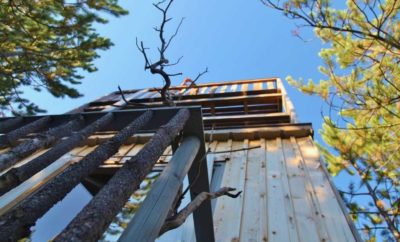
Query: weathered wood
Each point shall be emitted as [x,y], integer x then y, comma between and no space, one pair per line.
[17,175]
[15,224]
[303,211]
[281,218]
[317,215]
[287,103]
[15,196]
[91,222]
[262,181]
[11,123]
[149,219]
[339,224]
[228,212]
[28,147]
[249,229]
[12,137]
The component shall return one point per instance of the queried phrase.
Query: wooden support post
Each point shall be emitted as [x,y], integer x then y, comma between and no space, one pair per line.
[151,216]
[199,182]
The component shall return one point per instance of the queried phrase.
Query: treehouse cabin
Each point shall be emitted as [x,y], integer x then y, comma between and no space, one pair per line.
[243,135]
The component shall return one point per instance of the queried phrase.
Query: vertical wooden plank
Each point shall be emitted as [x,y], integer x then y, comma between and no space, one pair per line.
[223,89]
[262,183]
[244,87]
[203,90]
[306,224]
[228,212]
[270,85]
[315,208]
[234,87]
[192,91]
[257,86]
[212,89]
[338,226]
[250,227]
[280,211]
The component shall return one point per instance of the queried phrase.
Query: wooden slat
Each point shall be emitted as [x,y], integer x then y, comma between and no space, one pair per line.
[212,89]
[270,85]
[251,218]
[228,211]
[13,197]
[316,212]
[234,87]
[223,89]
[339,229]
[304,213]
[281,219]
[244,87]
[262,181]
[25,160]
[229,82]
[203,90]
[257,86]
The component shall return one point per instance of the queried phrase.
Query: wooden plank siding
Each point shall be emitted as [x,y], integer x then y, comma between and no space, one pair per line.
[286,195]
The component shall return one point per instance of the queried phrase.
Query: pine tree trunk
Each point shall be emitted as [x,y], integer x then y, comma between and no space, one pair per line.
[13,136]
[15,224]
[91,222]
[11,123]
[28,147]
[17,175]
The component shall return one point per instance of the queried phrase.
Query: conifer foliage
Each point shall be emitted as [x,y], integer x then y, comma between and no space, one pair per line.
[43,45]
[362,87]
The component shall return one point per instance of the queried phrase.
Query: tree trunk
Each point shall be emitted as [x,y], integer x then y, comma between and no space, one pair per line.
[15,224]
[11,123]
[12,137]
[28,147]
[91,222]
[17,175]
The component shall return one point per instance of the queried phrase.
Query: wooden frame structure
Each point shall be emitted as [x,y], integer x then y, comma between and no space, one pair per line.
[193,132]
[252,140]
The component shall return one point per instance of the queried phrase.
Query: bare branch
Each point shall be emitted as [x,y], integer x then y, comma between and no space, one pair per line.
[180,217]
[199,75]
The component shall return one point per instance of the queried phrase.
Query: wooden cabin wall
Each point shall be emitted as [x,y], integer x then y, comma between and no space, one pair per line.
[286,195]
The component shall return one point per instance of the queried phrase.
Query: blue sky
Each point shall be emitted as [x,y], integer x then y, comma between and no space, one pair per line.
[235,39]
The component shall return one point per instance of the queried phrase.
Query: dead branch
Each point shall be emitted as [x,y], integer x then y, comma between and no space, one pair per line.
[198,77]
[178,219]
[158,66]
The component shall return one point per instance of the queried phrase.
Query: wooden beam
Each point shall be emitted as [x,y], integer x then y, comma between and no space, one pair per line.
[151,216]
